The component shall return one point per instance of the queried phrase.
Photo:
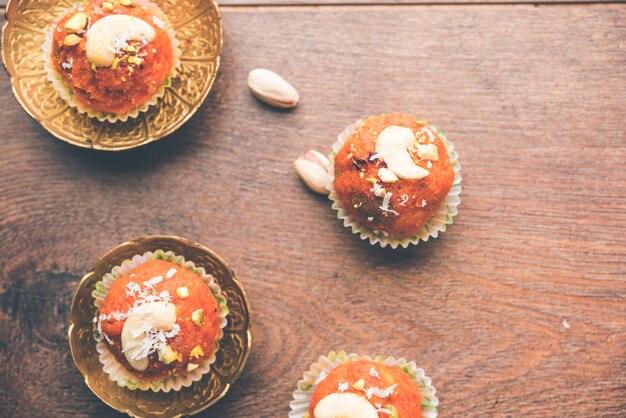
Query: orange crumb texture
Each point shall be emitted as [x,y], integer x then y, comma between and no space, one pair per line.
[190,334]
[405,397]
[113,90]
[354,166]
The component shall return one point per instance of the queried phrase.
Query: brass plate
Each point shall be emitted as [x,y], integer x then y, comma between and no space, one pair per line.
[198,28]
[231,356]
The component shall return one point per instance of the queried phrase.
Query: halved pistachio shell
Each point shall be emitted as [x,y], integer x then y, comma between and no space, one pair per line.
[72,40]
[312,169]
[76,23]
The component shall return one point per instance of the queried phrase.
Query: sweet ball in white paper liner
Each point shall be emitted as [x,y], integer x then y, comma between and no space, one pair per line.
[318,371]
[120,374]
[435,225]
[66,93]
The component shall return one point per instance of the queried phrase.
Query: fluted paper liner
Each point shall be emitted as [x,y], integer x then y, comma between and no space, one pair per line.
[120,374]
[303,395]
[66,93]
[436,224]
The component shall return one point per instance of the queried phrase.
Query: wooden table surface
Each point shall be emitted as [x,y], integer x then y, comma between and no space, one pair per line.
[519,309]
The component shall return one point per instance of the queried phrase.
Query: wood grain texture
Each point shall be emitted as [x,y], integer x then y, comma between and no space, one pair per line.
[534,98]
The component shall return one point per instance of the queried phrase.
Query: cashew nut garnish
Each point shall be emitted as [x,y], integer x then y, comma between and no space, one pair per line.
[110,35]
[345,405]
[393,146]
[159,316]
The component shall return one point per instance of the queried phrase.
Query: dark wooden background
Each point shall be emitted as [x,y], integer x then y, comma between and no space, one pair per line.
[534,98]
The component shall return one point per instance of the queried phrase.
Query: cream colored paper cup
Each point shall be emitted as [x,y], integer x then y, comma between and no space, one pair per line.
[66,93]
[436,224]
[318,371]
[120,374]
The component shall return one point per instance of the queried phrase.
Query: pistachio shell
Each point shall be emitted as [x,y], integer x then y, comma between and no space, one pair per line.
[272,89]
[312,169]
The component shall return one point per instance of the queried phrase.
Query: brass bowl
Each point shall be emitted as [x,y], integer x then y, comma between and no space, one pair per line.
[198,26]
[231,356]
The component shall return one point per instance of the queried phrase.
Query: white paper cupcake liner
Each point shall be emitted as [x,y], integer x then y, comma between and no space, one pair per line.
[66,93]
[318,371]
[120,374]
[436,224]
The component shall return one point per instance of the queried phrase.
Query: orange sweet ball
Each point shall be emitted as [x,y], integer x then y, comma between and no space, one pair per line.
[125,85]
[397,208]
[387,386]
[163,280]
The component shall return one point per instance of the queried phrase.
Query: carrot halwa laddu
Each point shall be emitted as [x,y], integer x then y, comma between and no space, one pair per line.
[159,319]
[114,55]
[366,389]
[392,174]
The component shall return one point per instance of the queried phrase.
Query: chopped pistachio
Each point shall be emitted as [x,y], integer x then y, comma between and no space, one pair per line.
[182,292]
[135,60]
[127,3]
[196,352]
[371,180]
[168,355]
[359,384]
[93,66]
[71,40]
[116,61]
[107,5]
[130,49]
[76,23]
[191,367]
[198,317]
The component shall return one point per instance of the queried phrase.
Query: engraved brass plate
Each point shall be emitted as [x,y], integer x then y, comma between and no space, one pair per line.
[231,356]
[198,28]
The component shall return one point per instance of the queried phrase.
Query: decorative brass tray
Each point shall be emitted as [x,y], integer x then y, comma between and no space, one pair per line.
[231,356]
[198,28]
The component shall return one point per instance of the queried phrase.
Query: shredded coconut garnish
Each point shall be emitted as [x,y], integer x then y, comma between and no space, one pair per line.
[566,324]
[423,203]
[155,340]
[69,64]
[170,273]
[405,198]
[429,164]
[378,392]
[381,410]
[374,372]
[341,387]
[385,206]
[374,157]
[370,218]
[160,24]
[428,132]
[120,43]
[377,189]
[150,283]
